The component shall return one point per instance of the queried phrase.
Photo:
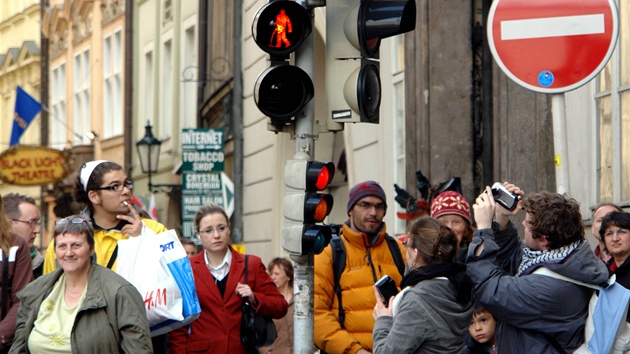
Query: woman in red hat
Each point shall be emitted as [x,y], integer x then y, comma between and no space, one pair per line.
[452,209]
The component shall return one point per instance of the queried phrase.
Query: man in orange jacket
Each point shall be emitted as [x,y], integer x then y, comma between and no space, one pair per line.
[368,258]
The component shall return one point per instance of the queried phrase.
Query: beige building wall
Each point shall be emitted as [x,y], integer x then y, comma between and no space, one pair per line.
[165,45]
[19,65]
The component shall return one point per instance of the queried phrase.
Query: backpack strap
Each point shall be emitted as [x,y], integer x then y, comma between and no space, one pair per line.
[339,264]
[394,249]
[245,272]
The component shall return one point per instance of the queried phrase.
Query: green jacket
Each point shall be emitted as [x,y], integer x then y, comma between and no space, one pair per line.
[112,318]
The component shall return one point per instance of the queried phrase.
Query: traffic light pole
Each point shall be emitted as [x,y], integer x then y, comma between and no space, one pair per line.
[304,264]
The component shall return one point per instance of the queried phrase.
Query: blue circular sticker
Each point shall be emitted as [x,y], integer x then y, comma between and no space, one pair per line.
[545,78]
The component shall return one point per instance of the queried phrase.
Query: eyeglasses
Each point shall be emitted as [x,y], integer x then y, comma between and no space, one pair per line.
[220,230]
[368,206]
[116,187]
[74,220]
[31,223]
[620,233]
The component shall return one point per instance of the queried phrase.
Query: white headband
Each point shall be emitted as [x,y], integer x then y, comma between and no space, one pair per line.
[86,171]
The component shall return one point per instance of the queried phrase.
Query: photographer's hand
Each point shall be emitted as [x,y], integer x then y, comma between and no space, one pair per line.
[484,208]
[502,215]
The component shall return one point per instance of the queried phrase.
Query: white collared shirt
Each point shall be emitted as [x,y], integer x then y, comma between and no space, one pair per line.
[222,270]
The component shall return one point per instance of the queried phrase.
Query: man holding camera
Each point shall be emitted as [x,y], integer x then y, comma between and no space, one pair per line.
[535,313]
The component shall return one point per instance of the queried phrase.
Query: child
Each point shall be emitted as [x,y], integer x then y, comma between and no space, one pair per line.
[481,330]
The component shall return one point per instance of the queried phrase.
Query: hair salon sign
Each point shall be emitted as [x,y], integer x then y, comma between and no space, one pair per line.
[34,165]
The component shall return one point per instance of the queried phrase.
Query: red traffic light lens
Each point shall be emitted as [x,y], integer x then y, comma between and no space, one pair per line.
[280,27]
[319,175]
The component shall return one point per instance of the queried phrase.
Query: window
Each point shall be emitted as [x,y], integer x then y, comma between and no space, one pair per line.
[612,102]
[81,96]
[112,86]
[148,90]
[57,132]
[398,69]
[188,97]
[166,99]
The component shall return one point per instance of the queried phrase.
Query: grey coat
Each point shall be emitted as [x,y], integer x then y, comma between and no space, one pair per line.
[112,318]
[532,308]
[428,320]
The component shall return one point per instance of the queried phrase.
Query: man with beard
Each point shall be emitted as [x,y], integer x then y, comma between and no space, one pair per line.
[368,258]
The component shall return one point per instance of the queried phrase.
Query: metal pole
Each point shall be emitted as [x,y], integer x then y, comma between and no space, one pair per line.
[561,158]
[304,271]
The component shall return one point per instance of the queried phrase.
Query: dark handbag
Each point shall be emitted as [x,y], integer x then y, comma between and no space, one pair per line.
[256,330]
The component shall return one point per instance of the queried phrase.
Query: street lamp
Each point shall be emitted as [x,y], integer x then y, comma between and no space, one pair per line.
[149,155]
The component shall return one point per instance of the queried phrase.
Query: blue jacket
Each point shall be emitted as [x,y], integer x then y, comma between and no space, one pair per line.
[531,308]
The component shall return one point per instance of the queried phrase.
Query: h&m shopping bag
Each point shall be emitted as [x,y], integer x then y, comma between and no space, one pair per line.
[157,265]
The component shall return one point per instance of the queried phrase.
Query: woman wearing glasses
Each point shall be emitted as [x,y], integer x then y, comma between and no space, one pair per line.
[615,231]
[221,288]
[105,189]
[16,258]
[81,307]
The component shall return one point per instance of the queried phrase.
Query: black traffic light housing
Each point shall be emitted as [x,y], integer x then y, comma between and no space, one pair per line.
[353,35]
[304,208]
[282,90]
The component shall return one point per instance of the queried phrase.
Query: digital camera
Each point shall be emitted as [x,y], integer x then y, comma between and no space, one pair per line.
[502,196]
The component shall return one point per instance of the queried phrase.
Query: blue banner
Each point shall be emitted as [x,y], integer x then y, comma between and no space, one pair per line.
[26,108]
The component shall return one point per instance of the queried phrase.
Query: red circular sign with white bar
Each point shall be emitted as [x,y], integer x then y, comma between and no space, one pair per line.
[552,46]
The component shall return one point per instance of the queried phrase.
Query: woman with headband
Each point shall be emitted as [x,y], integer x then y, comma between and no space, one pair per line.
[104,187]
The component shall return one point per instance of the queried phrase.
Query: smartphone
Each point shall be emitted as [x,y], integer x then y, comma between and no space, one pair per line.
[502,196]
[387,288]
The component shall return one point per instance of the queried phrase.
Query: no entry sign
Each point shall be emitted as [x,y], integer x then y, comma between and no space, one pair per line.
[552,46]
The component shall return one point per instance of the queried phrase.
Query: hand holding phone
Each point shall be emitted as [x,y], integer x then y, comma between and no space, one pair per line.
[387,288]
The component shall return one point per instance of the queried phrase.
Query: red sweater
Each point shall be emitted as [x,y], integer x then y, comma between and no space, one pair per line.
[20,274]
[218,328]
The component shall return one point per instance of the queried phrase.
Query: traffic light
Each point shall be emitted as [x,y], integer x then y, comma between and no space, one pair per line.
[353,37]
[304,208]
[282,90]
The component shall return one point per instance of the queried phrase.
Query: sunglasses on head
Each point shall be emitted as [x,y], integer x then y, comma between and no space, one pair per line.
[74,220]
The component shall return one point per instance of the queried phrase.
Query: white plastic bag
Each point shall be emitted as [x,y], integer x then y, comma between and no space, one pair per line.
[157,265]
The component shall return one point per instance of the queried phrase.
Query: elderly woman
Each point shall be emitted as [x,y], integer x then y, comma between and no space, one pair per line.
[452,209]
[615,231]
[432,312]
[221,288]
[81,307]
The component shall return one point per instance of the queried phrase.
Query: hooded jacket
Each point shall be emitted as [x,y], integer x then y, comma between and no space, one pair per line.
[531,309]
[429,319]
[365,264]
[112,318]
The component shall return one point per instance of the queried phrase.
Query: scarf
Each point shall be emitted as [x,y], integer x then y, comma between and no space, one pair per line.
[531,257]
[454,272]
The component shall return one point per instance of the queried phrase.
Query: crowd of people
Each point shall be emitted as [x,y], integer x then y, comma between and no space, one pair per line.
[468,283]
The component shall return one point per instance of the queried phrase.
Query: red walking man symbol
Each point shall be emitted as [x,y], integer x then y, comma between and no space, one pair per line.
[283,24]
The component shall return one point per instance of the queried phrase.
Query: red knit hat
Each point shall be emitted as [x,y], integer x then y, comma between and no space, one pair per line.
[450,203]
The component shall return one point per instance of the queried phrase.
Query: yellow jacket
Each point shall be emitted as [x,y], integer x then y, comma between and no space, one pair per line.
[357,295]
[105,242]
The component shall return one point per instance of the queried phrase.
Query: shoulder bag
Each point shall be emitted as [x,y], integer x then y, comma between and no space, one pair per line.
[256,330]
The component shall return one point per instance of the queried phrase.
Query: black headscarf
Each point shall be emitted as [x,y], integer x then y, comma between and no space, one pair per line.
[454,272]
